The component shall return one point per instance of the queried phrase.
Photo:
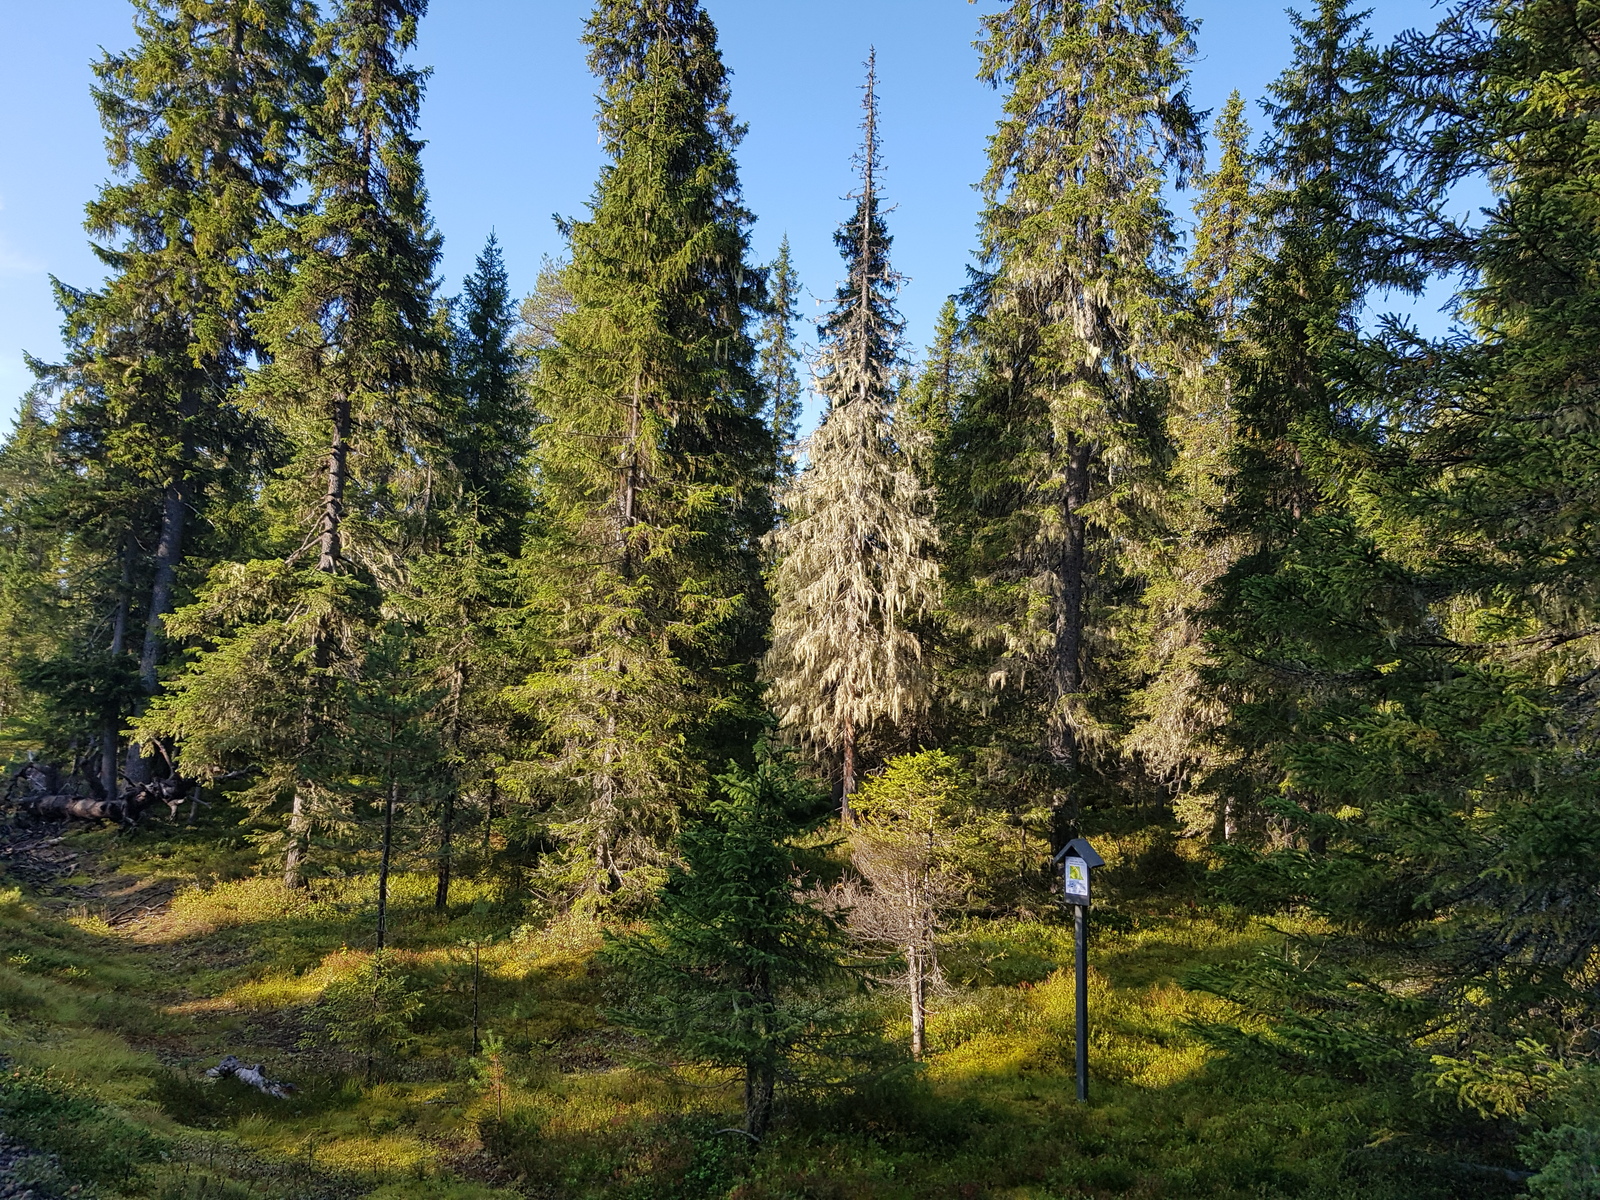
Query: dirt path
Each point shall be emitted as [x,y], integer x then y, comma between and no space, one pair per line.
[44,859]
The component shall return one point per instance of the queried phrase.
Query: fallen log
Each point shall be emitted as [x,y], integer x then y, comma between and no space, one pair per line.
[252,1076]
[171,791]
[62,808]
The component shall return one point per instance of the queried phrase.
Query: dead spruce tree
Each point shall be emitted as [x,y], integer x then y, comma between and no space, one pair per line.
[855,565]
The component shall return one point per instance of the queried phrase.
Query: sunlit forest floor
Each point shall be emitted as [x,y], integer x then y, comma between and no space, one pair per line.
[131,963]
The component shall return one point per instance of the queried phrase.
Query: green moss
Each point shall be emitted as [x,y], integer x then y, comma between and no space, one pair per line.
[126,1022]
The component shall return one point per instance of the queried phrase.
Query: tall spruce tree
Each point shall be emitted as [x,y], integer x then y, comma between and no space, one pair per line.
[201,123]
[1301,437]
[352,346]
[654,462]
[779,354]
[1072,316]
[461,573]
[855,551]
[1175,735]
[1433,741]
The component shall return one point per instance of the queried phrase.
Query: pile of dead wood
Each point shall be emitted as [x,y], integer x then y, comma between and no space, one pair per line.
[232,1066]
[36,792]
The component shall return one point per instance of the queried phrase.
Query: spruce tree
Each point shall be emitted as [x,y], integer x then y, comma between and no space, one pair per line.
[201,128]
[1301,439]
[945,376]
[1414,654]
[491,434]
[1177,716]
[654,462]
[1072,317]
[460,576]
[351,348]
[1331,210]
[1228,228]
[730,969]
[779,354]
[855,551]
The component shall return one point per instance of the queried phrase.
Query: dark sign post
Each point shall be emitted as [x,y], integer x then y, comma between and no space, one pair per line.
[1078,859]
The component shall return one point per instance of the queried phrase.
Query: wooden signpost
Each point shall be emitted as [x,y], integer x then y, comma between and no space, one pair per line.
[1078,859]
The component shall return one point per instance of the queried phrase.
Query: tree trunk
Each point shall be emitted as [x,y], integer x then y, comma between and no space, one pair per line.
[169,555]
[333,501]
[1067,667]
[916,981]
[441,892]
[299,836]
[477,977]
[383,863]
[759,1082]
[488,823]
[119,643]
[845,813]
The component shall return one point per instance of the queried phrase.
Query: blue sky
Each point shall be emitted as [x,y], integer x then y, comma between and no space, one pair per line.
[511,139]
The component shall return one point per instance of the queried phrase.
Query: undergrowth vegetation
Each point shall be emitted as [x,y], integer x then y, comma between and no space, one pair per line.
[108,1032]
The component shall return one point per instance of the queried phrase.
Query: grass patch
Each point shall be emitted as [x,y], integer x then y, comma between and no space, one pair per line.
[110,1031]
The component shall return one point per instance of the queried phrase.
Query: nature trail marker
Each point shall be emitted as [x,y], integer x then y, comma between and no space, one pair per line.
[1078,858]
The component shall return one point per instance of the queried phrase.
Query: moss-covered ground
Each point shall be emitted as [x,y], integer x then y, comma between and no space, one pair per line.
[111,1012]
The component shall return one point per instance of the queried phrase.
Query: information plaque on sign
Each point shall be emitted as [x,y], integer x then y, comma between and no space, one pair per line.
[1077,880]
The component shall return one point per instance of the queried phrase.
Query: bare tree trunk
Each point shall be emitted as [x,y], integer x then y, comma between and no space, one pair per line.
[607,815]
[759,1084]
[1067,668]
[333,501]
[169,555]
[441,892]
[916,981]
[383,862]
[488,821]
[119,645]
[845,813]
[299,836]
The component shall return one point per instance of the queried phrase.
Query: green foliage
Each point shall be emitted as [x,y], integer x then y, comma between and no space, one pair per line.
[1567,1159]
[371,1010]
[1055,447]
[647,606]
[732,968]
[779,354]
[489,1071]
[93,1143]
[492,433]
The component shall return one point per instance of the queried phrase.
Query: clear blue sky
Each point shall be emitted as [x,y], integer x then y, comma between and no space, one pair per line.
[511,138]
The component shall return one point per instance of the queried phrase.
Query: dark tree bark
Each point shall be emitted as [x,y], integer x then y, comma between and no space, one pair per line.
[383,863]
[441,892]
[333,500]
[168,557]
[1067,667]
[299,834]
[110,734]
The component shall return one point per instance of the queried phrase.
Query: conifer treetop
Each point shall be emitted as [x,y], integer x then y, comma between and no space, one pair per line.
[855,563]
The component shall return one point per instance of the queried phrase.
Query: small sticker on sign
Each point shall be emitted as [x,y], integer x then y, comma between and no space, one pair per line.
[1077,878]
